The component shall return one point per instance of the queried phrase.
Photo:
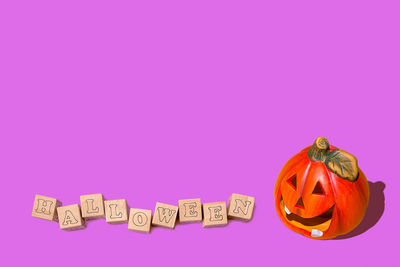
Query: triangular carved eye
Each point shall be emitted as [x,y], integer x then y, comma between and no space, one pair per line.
[293,181]
[318,189]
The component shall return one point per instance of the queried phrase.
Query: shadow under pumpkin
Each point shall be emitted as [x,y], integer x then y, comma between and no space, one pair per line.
[374,211]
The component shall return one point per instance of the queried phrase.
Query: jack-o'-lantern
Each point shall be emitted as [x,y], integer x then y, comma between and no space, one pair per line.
[321,192]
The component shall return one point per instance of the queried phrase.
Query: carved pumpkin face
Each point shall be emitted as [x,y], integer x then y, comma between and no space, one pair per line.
[321,193]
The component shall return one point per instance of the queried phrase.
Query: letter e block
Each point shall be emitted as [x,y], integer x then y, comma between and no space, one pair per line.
[190,210]
[215,214]
[139,220]
[241,207]
[45,208]
[92,206]
[116,211]
[70,217]
[165,215]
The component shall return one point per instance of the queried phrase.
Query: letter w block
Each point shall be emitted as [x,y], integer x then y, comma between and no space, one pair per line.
[165,215]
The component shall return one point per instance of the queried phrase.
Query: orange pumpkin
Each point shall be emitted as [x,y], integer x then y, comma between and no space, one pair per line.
[321,192]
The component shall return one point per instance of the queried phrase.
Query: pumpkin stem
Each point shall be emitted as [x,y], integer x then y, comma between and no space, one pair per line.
[319,149]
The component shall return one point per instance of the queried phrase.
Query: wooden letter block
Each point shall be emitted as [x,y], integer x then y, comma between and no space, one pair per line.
[165,215]
[116,211]
[241,207]
[190,210]
[92,206]
[45,208]
[70,217]
[139,220]
[215,214]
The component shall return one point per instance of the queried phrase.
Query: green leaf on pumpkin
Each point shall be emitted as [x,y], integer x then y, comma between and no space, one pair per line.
[343,164]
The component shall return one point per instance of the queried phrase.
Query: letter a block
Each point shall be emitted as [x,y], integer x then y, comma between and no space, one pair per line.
[165,215]
[241,207]
[190,210]
[70,217]
[92,206]
[116,211]
[45,208]
[215,214]
[139,220]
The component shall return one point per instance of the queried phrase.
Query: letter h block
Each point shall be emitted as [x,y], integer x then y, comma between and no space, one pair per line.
[45,208]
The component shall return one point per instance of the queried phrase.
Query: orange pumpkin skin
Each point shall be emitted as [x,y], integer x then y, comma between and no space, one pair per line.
[347,200]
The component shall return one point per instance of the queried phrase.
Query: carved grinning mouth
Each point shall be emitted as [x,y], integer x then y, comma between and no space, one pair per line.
[315,225]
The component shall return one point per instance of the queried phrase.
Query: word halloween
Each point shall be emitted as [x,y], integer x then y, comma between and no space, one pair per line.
[94,206]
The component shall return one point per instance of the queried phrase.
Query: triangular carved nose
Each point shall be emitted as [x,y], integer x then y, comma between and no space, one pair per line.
[300,203]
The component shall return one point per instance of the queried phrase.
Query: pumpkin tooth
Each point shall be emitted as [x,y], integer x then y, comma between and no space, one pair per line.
[287,210]
[316,233]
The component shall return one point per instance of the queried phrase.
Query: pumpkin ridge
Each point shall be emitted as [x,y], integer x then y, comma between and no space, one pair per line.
[304,178]
[329,174]
[363,194]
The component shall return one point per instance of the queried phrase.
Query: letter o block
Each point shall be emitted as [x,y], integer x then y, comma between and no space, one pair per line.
[139,220]
[45,208]
[70,217]
[215,214]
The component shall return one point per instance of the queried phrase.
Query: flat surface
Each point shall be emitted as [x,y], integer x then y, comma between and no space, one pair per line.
[166,100]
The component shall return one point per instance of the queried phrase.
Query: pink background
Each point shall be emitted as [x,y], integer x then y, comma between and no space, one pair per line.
[164,100]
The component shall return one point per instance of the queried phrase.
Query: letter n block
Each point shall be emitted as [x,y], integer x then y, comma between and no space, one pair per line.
[45,208]
[190,210]
[139,220]
[215,214]
[70,217]
[116,211]
[241,207]
[92,206]
[165,215]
